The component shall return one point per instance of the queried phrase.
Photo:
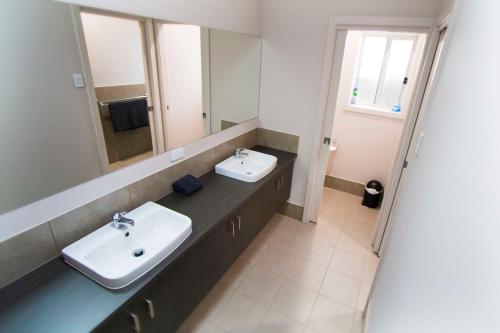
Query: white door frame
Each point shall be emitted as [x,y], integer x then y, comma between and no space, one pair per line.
[407,149]
[90,89]
[153,87]
[329,93]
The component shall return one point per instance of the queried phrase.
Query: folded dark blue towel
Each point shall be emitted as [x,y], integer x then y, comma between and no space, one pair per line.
[128,115]
[187,185]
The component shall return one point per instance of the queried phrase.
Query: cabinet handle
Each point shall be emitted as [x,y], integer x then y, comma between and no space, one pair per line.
[233,231]
[277,187]
[151,308]
[136,321]
[238,219]
[282,182]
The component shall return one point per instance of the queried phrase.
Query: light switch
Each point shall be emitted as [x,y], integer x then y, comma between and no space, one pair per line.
[176,154]
[78,80]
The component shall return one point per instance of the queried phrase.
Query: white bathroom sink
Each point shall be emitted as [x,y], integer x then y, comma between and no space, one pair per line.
[248,168]
[115,260]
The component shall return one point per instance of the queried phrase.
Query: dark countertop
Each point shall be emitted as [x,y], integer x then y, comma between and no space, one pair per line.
[57,298]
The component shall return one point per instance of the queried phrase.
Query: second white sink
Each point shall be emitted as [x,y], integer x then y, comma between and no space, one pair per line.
[115,258]
[251,166]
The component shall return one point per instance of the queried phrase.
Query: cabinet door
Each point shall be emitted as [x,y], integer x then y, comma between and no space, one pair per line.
[214,259]
[178,290]
[131,319]
[247,224]
[171,293]
[285,179]
[268,200]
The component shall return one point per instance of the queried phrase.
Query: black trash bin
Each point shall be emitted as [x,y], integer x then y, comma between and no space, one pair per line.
[373,194]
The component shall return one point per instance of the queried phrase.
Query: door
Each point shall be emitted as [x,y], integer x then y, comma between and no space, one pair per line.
[181,84]
[416,141]
[314,198]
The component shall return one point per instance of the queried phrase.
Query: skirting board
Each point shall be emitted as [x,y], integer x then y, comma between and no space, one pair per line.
[292,210]
[344,185]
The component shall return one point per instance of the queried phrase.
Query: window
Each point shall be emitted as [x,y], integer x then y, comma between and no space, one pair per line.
[382,71]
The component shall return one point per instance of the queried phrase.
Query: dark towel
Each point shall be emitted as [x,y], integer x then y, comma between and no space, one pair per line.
[187,185]
[128,115]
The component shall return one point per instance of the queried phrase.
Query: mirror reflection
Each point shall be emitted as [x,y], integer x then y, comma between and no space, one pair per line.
[118,89]
[206,80]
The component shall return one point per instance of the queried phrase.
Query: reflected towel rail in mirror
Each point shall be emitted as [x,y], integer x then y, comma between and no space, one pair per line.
[108,101]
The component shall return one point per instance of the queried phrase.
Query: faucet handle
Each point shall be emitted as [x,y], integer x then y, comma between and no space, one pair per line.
[118,216]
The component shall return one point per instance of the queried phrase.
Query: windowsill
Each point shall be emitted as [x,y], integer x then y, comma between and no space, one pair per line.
[375,111]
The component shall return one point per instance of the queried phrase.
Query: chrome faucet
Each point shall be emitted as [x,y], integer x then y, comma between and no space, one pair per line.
[121,222]
[240,152]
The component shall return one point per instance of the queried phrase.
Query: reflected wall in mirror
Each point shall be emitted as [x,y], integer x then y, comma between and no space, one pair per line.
[148,86]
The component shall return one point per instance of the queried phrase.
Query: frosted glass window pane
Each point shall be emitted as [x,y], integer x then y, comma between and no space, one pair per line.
[371,62]
[397,66]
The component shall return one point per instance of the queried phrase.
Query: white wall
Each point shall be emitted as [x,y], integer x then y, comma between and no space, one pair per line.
[115,49]
[242,15]
[180,47]
[367,143]
[234,77]
[47,141]
[440,271]
[294,38]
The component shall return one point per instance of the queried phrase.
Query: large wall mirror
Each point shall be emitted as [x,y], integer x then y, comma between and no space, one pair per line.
[96,91]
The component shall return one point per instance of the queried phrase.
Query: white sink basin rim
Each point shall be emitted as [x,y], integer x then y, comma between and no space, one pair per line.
[251,167]
[115,260]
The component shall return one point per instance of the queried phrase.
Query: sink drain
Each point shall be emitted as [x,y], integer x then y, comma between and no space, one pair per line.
[138,252]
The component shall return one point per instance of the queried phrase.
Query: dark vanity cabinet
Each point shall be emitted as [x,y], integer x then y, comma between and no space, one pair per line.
[164,303]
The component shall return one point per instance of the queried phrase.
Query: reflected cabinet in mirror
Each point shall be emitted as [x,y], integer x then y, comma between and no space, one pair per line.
[90,93]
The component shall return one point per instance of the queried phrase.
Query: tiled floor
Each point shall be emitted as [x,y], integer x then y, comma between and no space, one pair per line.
[297,277]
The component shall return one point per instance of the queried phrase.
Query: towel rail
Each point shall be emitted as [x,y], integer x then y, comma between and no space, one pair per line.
[108,101]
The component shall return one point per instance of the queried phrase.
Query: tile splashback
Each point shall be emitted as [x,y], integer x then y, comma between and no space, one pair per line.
[26,251]
[278,140]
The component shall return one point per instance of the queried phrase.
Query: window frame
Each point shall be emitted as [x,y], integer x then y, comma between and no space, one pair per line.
[379,109]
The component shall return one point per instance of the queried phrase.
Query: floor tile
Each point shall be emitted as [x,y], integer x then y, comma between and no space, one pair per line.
[325,233]
[261,286]
[341,288]
[196,324]
[317,252]
[212,304]
[347,264]
[285,240]
[369,272]
[275,322]
[240,314]
[364,291]
[351,245]
[236,273]
[358,230]
[298,228]
[294,301]
[306,273]
[275,261]
[253,252]
[329,316]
